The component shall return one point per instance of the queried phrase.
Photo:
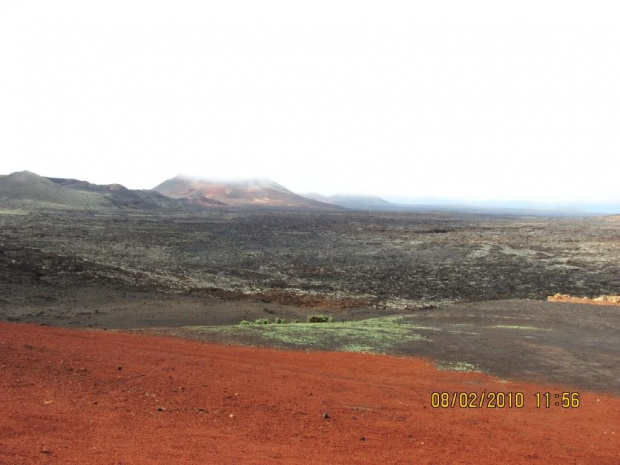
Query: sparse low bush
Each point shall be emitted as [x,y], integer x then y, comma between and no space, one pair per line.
[296,320]
[319,319]
[262,321]
[245,323]
[280,321]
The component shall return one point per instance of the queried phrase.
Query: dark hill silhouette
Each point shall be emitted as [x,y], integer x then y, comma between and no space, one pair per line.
[120,196]
[24,185]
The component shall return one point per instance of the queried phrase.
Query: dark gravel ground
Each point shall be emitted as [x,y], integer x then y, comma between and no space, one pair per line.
[377,258]
[467,277]
[569,345]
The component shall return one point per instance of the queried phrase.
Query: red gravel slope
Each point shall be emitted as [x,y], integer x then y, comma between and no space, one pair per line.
[71,396]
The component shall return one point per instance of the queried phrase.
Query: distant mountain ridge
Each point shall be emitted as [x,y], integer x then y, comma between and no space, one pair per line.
[28,186]
[120,196]
[178,193]
[240,193]
[185,193]
[25,185]
[361,202]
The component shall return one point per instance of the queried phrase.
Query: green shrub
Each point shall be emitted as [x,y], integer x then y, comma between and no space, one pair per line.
[262,321]
[319,319]
[280,321]
[245,322]
[296,320]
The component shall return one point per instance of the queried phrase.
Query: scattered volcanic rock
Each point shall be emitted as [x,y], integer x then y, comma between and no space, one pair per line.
[248,192]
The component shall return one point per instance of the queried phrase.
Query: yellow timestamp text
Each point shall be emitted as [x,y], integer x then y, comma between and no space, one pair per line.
[477,400]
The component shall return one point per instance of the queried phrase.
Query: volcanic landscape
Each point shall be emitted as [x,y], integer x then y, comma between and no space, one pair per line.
[242,323]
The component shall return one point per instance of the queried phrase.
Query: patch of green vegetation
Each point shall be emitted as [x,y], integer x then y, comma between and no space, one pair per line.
[319,319]
[263,321]
[376,335]
[358,348]
[457,366]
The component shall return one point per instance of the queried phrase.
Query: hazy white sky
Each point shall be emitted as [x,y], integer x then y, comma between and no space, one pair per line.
[456,99]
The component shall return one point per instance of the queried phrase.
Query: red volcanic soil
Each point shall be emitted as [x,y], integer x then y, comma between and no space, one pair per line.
[75,396]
